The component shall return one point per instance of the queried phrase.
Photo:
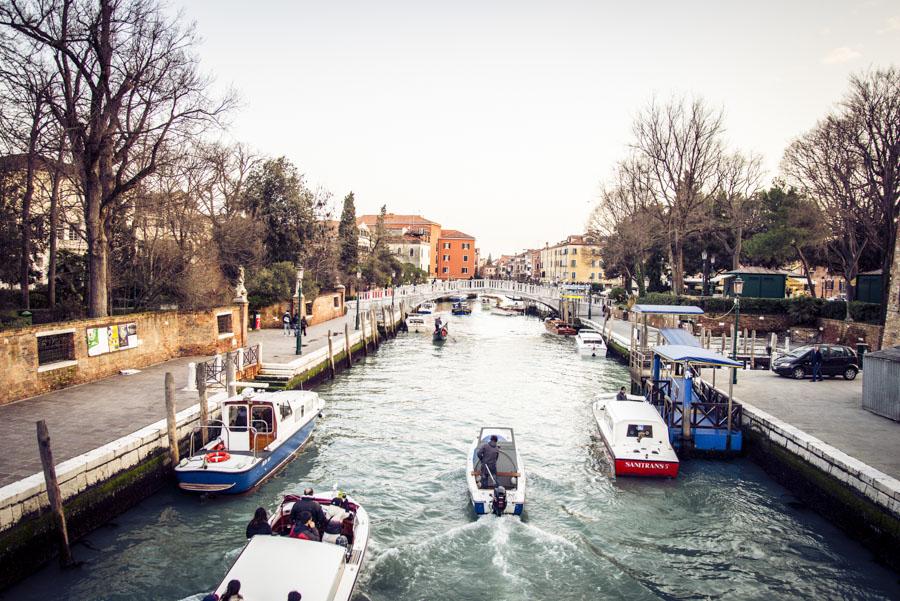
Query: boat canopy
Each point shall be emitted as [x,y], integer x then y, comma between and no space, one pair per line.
[679,336]
[680,353]
[270,567]
[667,309]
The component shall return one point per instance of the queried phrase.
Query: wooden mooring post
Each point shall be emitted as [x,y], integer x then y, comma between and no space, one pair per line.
[204,407]
[330,355]
[347,345]
[53,493]
[171,424]
[365,340]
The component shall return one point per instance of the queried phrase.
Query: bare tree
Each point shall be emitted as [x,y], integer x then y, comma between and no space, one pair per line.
[734,207]
[680,144]
[127,82]
[823,164]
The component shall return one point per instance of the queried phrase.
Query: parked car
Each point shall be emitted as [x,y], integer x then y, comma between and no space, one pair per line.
[837,360]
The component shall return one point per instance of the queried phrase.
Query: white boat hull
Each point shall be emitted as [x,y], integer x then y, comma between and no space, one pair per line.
[481,498]
[633,455]
[590,348]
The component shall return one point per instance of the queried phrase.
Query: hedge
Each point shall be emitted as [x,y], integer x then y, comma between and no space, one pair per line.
[802,309]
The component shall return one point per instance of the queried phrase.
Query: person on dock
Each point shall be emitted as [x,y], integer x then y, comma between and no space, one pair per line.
[308,504]
[488,454]
[303,324]
[259,524]
[817,363]
[286,321]
[295,324]
[305,528]
[232,591]
[622,396]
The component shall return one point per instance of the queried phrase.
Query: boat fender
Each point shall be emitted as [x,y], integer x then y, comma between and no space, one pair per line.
[218,456]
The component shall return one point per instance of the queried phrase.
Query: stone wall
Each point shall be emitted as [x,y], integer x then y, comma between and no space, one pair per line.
[323,309]
[161,336]
[842,332]
[892,319]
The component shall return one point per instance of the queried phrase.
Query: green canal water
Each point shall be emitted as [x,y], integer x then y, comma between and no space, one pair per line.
[394,434]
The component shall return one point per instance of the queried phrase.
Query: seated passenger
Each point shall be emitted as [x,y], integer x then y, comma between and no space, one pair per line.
[307,503]
[259,524]
[622,396]
[305,528]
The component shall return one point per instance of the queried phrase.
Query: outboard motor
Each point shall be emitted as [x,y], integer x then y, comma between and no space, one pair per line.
[498,504]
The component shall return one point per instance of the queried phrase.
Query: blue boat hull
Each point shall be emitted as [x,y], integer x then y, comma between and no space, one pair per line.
[211,480]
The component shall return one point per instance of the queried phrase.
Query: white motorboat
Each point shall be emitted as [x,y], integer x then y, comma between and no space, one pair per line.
[590,344]
[420,324]
[269,567]
[505,491]
[426,308]
[635,436]
[503,311]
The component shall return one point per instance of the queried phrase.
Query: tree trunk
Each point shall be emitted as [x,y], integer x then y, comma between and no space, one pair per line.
[97,249]
[678,267]
[54,224]
[25,259]
[805,263]
[738,244]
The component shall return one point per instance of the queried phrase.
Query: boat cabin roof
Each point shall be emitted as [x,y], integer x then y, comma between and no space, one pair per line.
[680,353]
[503,434]
[632,411]
[585,334]
[667,309]
[269,567]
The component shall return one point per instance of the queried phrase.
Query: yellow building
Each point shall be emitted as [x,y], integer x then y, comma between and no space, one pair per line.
[573,260]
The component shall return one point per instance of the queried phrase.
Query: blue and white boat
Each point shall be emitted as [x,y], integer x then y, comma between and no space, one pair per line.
[258,434]
[505,490]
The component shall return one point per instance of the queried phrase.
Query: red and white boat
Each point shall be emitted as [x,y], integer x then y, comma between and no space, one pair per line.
[635,436]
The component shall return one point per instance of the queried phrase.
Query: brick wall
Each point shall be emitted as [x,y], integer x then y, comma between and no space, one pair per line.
[760,323]
[840,332]
[323,306]
[892,319]
[161,335]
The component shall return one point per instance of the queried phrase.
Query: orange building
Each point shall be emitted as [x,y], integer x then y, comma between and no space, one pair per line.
[457,258]
[400,225]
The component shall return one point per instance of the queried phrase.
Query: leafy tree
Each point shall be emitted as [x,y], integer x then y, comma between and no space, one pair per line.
[348,237]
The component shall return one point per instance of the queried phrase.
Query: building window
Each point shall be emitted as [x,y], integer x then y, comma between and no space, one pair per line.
[573,276]
[593,262]
[223,323]
[465,270]
[574,263]
[337,302]
[446,245]
[446,257]
[574,251]
[592,275]
[410,252]
[446,270]
[465,258]
[309,308]
[55,348]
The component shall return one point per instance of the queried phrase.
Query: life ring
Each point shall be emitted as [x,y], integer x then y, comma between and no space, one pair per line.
[443,331]
[217,457]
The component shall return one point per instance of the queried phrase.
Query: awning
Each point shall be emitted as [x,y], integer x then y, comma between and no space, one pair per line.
[677,336]
[668,309]
[691,354]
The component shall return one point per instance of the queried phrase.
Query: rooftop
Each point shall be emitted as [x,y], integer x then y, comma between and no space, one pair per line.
[456,234]
[393,218]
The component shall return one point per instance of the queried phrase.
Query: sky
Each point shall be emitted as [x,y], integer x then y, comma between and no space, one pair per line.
[503,118]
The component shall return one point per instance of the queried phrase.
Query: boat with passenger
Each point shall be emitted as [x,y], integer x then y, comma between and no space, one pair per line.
[269,567]
[426,308]
[440,331]
[461,309]
[559,327]
[499,491]
[635,436]
[589,343]
[259,433]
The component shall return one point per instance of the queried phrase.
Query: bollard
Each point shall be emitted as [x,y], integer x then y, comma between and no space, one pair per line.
[230,375]
[53,493]
[192,377]
[171,424]
[753,350]
[204,410]
[330,355]
[347,348]
[363,331]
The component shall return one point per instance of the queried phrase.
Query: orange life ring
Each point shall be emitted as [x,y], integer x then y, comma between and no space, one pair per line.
[218,457]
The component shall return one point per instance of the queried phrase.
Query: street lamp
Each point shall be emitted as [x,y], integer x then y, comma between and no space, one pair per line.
[299,350]
[358,295]
[737,287]
[704,255]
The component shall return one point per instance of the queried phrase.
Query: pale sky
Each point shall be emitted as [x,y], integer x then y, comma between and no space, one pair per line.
[500,119]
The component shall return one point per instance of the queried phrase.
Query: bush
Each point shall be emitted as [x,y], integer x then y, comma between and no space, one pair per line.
[865,312]
[618,294]
[833,310]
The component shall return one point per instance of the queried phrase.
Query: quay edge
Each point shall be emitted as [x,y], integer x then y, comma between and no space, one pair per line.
[105,482]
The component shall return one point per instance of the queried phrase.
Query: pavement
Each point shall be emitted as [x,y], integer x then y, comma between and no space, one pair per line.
[829,410]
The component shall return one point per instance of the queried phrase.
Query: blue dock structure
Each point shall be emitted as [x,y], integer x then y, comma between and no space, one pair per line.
[667,371]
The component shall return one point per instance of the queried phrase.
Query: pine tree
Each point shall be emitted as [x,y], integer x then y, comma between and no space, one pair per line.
[348,235]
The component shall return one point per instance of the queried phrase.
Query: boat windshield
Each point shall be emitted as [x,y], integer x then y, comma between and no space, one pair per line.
[640,431]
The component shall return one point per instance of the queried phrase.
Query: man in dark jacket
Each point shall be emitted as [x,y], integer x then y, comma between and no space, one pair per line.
[307,503]
[488,453]
[817,363]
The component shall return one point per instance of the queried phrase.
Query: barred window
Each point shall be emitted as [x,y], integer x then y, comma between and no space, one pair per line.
[56,348]
[223,322]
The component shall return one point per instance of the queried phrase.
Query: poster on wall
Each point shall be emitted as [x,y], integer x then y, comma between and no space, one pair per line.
[112,338]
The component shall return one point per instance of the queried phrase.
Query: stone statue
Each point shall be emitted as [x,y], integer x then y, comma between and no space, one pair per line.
[240,291]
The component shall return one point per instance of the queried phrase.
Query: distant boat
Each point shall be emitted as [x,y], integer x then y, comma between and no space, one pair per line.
[461,309]
[589,343]
[426,308]
[506,492]
[440,332]
[503,311]
[456,298]
[420,324]
[559,327]
[260,432]
[635,436]
[269,567]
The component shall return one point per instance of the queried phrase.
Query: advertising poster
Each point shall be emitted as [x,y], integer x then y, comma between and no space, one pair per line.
[113,334]
[123,336]
[97,341]
[107,339]
[132,335]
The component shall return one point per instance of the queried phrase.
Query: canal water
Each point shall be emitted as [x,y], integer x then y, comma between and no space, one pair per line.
[395,433]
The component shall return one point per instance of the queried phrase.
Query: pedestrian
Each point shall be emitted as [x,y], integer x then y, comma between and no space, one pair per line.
[286,321]
[488,453]
[622,396]
[294,596]
[303,324]
[295,324]
[817,363]
[259,524]
[232,591]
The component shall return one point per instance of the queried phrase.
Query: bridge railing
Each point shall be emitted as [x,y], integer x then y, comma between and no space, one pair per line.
[381,295]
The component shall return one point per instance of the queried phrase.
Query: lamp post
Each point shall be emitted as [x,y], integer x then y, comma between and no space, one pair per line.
[358,294]
[705,255]
[737,287]
[299,350]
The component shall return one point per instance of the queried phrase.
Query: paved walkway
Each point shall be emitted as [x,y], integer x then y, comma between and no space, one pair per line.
[278,348]
[828,410]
